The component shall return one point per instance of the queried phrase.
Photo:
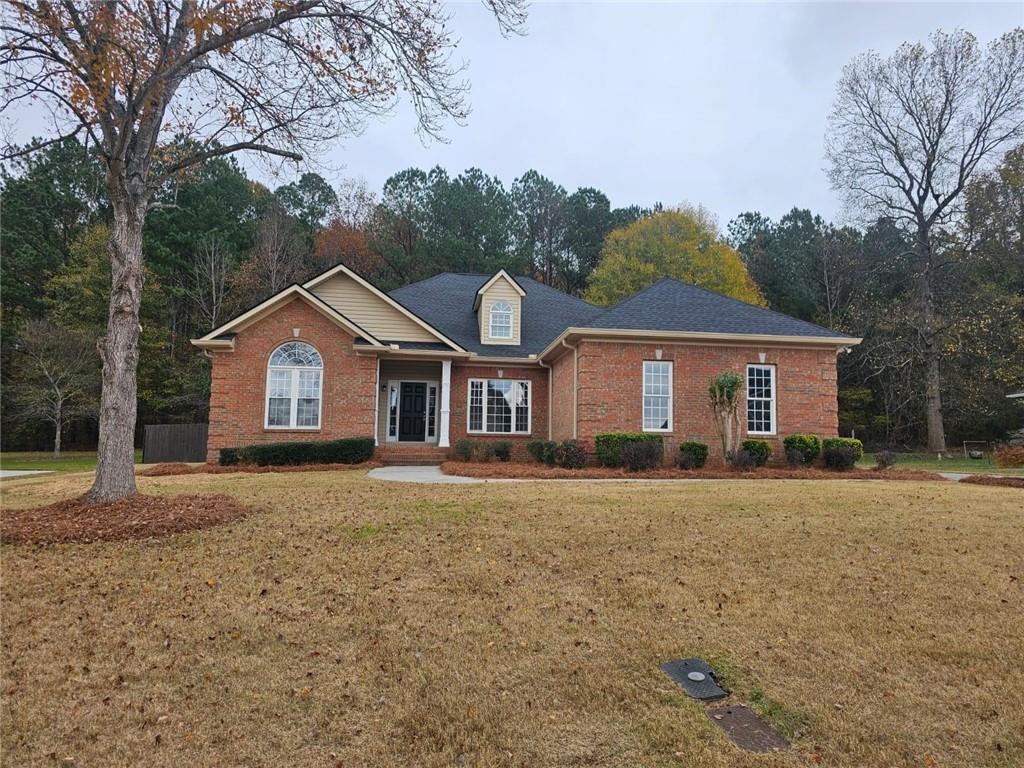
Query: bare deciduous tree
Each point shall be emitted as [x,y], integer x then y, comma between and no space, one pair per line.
[905,137]
[56,376]
[223,76]
[207,280]
[280,257]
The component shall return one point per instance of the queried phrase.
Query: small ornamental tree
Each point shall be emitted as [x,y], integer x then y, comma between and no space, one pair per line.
[724,393]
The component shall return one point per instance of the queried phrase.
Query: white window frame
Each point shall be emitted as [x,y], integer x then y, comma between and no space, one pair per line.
[484,421]
[644,396]
[503,308]
[293,406]
[771,400]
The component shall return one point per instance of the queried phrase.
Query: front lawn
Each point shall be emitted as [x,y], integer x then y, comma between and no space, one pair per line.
[952,464]
[356,622]
[69,461]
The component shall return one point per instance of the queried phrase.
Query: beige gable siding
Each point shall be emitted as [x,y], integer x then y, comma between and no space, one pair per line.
[369,311]
[500,291]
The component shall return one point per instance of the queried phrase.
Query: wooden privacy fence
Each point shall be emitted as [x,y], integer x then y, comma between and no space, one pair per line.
[174,442]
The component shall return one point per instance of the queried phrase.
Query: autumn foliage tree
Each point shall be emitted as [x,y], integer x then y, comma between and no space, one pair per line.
[275,78]
[683,243]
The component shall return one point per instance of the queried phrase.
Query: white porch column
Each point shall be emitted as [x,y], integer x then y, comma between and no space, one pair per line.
[446,402]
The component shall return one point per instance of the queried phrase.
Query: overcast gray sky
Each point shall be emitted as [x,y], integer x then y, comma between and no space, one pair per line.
[721,105]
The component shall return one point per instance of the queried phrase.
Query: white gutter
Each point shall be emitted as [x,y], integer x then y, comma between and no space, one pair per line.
[693,337]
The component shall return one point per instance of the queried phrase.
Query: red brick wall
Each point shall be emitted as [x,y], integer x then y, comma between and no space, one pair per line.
[239,379]
[610,397]
[538,378]
[562,374]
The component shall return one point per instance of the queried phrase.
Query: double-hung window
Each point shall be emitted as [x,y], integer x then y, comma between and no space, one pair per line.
[761,399]
[501,406]
[501,320]
[294,387]
[657,396]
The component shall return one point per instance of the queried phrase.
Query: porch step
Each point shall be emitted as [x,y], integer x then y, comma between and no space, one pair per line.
[411,455]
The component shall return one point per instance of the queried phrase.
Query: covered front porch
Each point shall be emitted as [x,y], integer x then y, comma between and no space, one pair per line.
[413,402]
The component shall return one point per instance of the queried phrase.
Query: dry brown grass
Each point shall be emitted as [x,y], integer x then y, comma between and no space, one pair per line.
[353,622]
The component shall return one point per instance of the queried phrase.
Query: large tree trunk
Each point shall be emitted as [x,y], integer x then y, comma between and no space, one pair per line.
[932,352]
[56,433]
[119,351]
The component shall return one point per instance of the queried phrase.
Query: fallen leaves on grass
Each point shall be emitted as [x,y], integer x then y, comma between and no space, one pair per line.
[165,470]
[1006,482]
[137,517]
[544,472]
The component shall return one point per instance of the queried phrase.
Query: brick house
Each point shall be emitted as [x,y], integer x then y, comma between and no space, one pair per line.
[507,358]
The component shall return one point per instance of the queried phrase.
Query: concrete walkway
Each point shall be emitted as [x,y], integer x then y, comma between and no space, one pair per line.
[417,474]
[23,472]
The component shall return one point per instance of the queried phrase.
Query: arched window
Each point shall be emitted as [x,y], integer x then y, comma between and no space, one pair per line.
[294,384]
[501,320]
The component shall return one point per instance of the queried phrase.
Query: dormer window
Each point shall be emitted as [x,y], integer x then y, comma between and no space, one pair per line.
[499,306]
[501,320]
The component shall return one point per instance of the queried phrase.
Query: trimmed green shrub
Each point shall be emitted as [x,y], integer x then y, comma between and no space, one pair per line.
[639,455]
[609,446]
[692,455]
[464,449]
[503,450]
[840,457]
[548,454]
[543,451]
[809,447]
[741,460]
[348,450]
[794,458]
[536,449]
[229,456]
[760,451]
[845,442]
[571,454]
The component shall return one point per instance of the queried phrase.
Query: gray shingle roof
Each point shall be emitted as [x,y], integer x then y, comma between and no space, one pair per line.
[445,301]
[670,305]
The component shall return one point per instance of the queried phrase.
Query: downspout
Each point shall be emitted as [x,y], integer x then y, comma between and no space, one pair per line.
[376,405]
[575,387]
[550,391]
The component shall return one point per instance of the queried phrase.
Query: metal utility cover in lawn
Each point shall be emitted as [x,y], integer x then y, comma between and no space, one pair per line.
[696,677]
[746,730]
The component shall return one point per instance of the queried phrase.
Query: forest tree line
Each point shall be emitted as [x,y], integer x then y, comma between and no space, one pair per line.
[217,242]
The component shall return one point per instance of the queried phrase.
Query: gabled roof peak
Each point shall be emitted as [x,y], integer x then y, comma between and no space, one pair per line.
[501,274]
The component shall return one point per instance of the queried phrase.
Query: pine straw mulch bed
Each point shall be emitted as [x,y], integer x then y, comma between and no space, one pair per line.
[165,470]
[139,517]
[499,470]
[1006,482]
